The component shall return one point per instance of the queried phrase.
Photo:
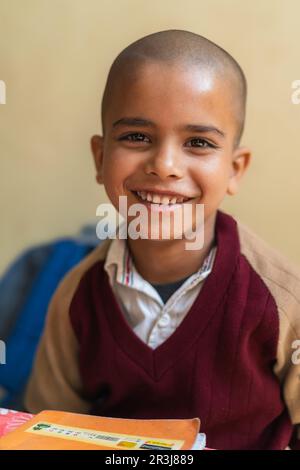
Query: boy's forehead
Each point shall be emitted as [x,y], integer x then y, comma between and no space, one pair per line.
[168,93]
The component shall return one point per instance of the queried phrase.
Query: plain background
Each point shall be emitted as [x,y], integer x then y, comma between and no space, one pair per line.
[54,59]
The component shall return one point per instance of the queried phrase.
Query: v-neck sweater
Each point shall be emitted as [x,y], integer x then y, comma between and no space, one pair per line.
[217,365]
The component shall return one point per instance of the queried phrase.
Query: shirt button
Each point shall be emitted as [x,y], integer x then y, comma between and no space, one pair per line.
[164,321]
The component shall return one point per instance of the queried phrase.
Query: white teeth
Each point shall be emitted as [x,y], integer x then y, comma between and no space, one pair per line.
[160,199]
[165,200]
[142,195]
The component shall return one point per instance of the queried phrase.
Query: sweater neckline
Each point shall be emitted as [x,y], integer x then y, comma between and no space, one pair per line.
[155,362]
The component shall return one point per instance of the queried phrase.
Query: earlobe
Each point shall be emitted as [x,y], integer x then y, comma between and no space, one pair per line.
[240,163]
[97,150]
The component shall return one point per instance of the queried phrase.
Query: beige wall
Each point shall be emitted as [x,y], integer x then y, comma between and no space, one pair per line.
[54,56]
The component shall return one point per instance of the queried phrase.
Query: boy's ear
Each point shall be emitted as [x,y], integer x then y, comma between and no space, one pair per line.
[240,162]
[97,150]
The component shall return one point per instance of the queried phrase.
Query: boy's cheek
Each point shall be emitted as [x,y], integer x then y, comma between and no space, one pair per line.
[214,194]
[214,184]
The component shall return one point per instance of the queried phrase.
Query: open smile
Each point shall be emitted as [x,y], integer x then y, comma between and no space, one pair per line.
[158,201]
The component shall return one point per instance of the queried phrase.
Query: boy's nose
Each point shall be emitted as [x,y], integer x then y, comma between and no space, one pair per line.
[165,163]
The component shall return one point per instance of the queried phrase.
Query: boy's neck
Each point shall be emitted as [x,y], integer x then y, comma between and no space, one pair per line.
[162,262]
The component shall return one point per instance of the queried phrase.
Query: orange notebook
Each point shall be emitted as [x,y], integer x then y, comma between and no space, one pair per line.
[61,430]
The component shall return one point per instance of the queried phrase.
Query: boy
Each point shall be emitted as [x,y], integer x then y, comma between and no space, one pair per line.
[145,328]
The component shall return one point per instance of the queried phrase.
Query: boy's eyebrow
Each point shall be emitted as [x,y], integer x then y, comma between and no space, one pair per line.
[204,128]
[138,121]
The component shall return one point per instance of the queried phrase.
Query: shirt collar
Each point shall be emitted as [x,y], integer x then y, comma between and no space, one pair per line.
[120,267]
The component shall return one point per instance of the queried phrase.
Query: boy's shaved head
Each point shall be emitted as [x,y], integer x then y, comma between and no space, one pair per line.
[182,49]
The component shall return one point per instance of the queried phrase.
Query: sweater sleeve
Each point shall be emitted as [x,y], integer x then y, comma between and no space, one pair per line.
[287,367]
[55,381]
[282,278]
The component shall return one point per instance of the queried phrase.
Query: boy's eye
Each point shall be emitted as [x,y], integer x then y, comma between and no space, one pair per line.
[197,142]
[136,137]
[201,143]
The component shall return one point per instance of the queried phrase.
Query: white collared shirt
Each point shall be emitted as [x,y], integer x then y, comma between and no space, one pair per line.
[152,320]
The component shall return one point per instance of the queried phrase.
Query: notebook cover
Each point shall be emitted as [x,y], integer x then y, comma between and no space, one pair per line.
[61,430]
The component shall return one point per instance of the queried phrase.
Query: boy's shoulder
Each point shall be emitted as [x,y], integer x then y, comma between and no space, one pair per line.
[264,257]
[281,276]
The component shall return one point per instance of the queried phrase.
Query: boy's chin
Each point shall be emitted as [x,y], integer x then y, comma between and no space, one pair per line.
[161,233]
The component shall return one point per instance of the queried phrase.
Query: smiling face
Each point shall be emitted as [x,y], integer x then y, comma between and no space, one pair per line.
[169,138]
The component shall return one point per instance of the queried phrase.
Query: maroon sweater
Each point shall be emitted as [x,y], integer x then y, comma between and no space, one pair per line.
[217,365]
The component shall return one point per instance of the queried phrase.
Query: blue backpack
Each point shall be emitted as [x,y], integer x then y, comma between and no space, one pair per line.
[24,309]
